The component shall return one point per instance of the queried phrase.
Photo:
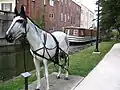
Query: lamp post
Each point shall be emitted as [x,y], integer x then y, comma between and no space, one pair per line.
[97,34]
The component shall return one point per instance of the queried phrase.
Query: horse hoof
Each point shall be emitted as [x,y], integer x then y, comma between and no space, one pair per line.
[66,78]
[37,89]
[58,77]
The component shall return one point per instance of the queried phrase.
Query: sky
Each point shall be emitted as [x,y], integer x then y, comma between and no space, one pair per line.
[88,3]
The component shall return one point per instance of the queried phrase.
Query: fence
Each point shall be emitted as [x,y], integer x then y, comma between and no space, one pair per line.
[5,20]
[11,55]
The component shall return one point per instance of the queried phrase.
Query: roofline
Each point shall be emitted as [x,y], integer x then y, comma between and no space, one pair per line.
[87,8]
[76,3]
[72,27]
[79,28]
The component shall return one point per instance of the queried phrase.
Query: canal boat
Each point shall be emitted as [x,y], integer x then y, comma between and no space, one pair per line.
[80,35]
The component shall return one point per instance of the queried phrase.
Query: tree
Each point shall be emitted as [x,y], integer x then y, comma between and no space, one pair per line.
[110,15]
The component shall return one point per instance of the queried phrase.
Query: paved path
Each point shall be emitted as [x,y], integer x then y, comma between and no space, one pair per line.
[106,75]
[58,84]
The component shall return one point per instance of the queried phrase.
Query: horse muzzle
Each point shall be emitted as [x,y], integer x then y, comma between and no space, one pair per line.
[9,38]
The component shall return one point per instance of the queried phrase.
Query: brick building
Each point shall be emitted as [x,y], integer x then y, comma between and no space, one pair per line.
[58,13]
[62,13]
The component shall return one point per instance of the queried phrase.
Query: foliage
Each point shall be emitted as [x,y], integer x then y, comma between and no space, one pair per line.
[110,15]
[81,64]
[40,22]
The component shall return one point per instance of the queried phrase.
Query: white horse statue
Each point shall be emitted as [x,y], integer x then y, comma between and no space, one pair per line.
[43,45]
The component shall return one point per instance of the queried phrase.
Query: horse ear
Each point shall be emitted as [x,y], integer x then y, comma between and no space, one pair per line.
[23,13]
[16,11]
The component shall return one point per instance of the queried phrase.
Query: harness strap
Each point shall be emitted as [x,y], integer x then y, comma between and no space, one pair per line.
[56,61]
[55,58]
[66,57]
[44,43]
[50,59]
[57,50]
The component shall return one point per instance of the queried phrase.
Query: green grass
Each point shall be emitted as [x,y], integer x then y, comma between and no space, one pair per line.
[81,64]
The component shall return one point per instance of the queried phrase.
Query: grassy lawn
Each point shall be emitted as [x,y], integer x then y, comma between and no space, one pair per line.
[81,63]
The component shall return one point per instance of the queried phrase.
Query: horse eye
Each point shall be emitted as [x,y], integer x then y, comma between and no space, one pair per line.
[20,21]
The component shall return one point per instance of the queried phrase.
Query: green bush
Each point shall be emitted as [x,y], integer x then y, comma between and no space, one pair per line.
[40,22]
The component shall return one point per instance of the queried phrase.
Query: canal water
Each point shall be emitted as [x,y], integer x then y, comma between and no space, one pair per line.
[12,61]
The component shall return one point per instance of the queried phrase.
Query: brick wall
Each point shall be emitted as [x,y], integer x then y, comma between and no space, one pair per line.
[34,8]
[71,14]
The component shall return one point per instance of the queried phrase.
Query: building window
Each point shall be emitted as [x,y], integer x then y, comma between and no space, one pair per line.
[32,0]
[75,32]
[68,17]
[61,16]
[6,6]
[51,16]
[69,2]
[65,18]
[65,1]
[71,20]
[81,32]
[52,2]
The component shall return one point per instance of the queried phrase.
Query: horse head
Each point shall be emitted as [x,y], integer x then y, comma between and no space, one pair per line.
[17,28]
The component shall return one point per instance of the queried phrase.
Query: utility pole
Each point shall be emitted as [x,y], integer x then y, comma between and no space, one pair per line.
[97,34]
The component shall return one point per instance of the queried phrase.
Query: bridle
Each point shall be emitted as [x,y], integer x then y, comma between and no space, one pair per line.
[43,42]
[25,26]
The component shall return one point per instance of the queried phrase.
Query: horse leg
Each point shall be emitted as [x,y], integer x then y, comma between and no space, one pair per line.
[46,73]
[59,72]
[66,74]
[66,66]
[37,66]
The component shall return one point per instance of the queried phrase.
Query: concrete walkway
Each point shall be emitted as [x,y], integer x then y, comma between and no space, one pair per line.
[106,75]
[58,84]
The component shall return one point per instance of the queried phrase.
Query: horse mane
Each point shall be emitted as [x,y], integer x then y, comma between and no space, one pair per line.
[34,22]
[39,26]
